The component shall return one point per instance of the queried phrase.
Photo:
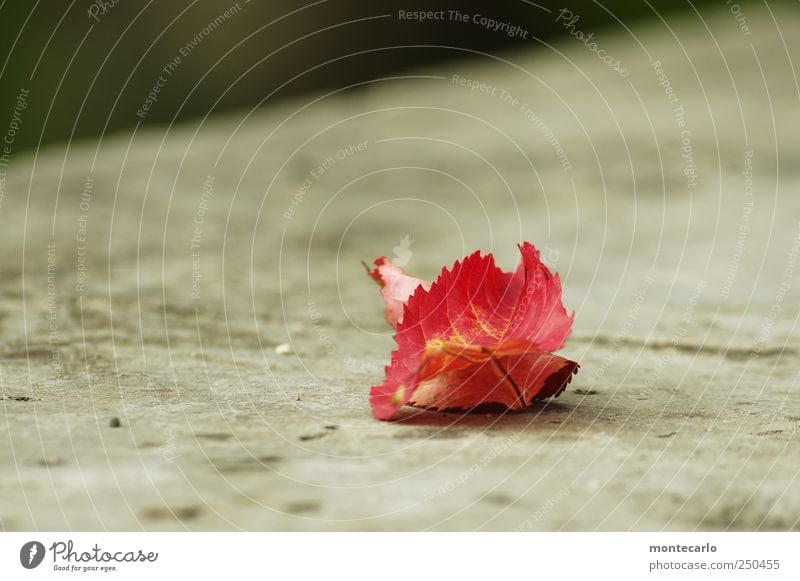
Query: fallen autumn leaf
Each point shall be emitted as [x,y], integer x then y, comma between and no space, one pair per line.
[476,336]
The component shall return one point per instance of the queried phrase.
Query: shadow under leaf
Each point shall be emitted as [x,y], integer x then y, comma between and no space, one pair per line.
[484,416]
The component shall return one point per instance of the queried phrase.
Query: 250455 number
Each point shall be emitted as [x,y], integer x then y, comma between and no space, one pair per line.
[766,564]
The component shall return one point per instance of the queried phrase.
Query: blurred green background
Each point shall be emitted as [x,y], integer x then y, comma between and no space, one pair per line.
[90,64]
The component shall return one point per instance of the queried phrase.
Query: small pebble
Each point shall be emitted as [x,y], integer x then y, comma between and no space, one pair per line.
[283,349]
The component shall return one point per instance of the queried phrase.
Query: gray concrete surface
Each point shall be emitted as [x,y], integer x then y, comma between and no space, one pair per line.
[139,316]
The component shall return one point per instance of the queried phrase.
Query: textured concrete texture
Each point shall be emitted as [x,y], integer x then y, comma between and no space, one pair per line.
[148,278]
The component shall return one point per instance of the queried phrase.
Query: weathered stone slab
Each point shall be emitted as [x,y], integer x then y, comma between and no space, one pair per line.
[148,278]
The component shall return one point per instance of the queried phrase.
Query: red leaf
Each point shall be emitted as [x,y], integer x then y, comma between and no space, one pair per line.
[396,286]
[476,336]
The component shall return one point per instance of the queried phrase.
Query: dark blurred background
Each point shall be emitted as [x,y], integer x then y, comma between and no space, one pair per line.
[90,64]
